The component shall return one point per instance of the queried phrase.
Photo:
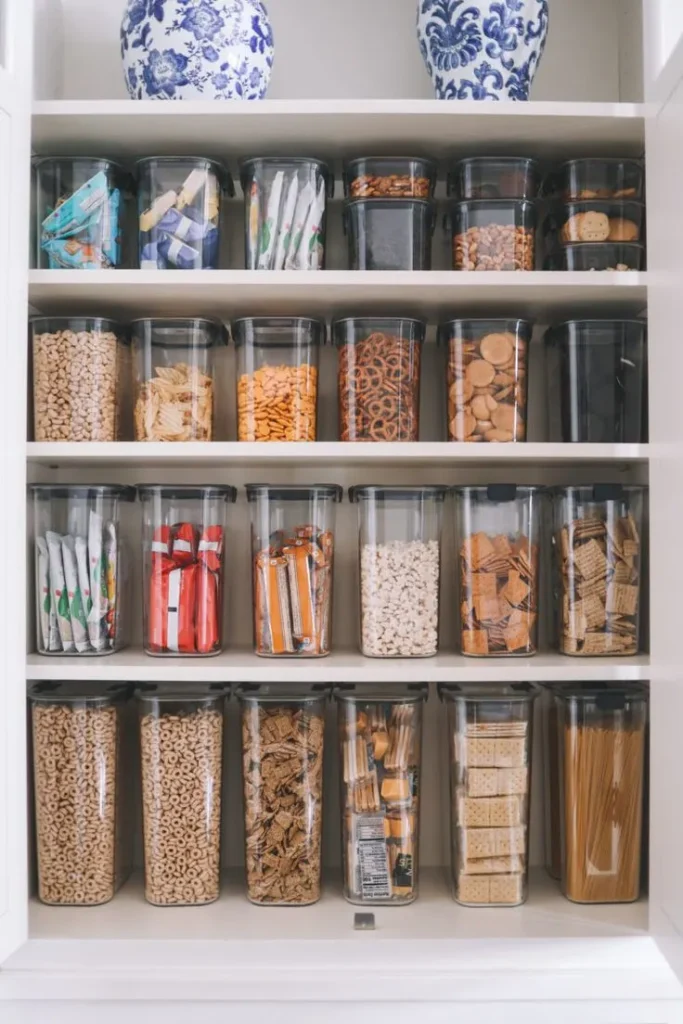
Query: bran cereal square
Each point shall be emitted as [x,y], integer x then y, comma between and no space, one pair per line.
[477,548]
[590,560]
[622,599]
[515,590]
[481,584]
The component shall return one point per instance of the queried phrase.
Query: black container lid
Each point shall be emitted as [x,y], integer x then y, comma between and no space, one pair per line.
[170,692]
[500,492]
[511,324]
[600,492]
[182,492]
[382,493]
[553,333]
[95,694]
[614,697]
[219,169]
[282,693]
[45,492]
[475,692]
[395,693]
[247,166]
[317,329]
[294,492]
[217,332]
[393,202]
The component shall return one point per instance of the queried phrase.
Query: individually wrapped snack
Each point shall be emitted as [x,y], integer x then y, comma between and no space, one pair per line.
[43,586]
[58,592]
[76,610]
[111,554]
[269,231]
[304,203]
[286,228]
[98,583]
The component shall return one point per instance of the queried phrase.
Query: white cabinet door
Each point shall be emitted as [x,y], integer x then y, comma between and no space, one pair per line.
[16,31]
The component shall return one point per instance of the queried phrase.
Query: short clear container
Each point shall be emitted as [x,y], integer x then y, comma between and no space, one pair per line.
[602,768]
[183,555]
[597,256]
[283,728]
[80,373]
[596,179]
[173,363]
[80,560]
[494,234]
[594,221]
[380,757]
[601,369]
[399,569]
[390,177]
[179,212]
[81,747]
[486,374]
[498,535]
[286,212]
[292,533]
[390,234]
[181,752]
[277,378]
[379,378]
[490,744]
[494,177]
[78,208]
[598,548]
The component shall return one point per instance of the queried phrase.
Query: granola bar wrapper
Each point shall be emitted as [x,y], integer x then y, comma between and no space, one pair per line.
[304,203]
[97,629]
[269,228]
[81,546]
[286,225]
[58,592]
[311,252]
[76,610]
[49,630]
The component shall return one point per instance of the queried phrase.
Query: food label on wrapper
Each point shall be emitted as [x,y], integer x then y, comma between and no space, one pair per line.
[373,863]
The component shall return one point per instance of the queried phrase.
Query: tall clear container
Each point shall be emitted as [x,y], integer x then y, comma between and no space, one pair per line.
[283,729]
[277,378]
[498,529]
[400,569]
[179,212]
[602,745]
[173,364]
[181,749]
[380,757]
[78,209]
[80,566]
[490,745]
[292,533]
[183,553]
[597,539]
[81,745]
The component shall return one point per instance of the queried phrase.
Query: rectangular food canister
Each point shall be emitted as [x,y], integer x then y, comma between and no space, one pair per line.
[494,177]
[81,747]
[390,234]
[594,221]
[283,729]
[181,750]
[490,745]
[493,234]
[380,756]
[390,177]
[596,178]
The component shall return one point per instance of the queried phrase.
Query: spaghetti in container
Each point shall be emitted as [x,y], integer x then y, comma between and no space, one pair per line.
[183,552]
[292,529]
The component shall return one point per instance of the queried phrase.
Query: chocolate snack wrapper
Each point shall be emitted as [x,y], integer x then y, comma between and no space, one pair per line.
[97,629]
[58,592]
[269,228]
[111,554]
[303,205]
[76,609]
[286,225]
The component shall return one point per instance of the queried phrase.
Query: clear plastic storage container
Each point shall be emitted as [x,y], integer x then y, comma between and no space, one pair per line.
[181,751]
[174,378]
[594,178]
[602,768]
[487,363]
[277,378]
[598,547]
[600,366]
[498,530]
[179,212]
[613,256]
[78,206]
[390,234]
[80,565]
[292,532]
[390,177]
[400,569]
[380,757]
[283,730]
[81,747]
[490,733]
[379,378]
[494,177]
[285,209]
[494,234]
[594,220]
[80,372]
[183,553]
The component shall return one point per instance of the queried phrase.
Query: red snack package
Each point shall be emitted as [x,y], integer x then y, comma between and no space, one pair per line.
[184,549]
[162,564]
[208,611]
[210,550]
[180,610]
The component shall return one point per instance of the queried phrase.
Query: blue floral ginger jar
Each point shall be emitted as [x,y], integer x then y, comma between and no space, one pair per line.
[196,49]
[482,49]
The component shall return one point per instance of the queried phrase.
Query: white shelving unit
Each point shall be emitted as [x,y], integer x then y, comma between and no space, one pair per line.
[594,95]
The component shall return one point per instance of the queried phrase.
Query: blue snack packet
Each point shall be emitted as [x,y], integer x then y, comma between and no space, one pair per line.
[187,226]
[75,212]
[178,253]
[74,254]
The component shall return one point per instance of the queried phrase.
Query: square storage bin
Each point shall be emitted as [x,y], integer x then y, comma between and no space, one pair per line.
[596,256]
[390,234]
[494,177]
[594,220]
[391,177]
[596,178]
[493,234]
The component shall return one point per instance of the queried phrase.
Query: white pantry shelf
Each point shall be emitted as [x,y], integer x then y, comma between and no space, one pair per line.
[336,128]
[341,666]
[228,293]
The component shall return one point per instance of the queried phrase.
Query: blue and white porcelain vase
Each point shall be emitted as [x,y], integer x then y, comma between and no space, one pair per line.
[196,49]
[482,49]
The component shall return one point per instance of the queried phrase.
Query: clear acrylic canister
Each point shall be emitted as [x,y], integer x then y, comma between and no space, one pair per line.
[598,550]
[80,566]
[277,378]
[183,552]
[179,209]
[399,569]
[292,531]
[602,769]
[380,757]
[173,364]
[490,733]
[81,745]
[498,529]
[283,729]
[181,751]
